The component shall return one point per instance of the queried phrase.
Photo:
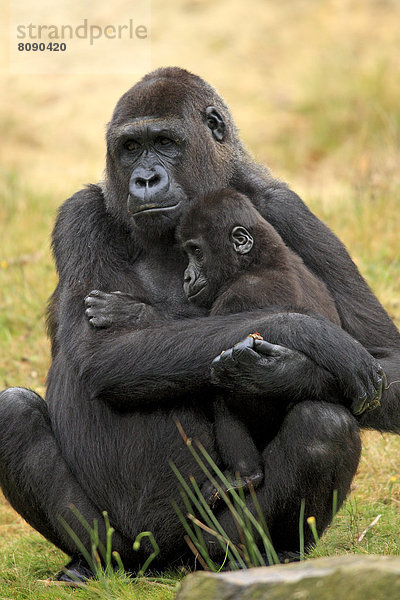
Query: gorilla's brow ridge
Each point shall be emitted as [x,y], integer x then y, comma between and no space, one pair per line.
[175,126]
[143,121]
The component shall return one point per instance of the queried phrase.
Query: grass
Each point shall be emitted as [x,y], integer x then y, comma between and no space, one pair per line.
[358,528]
[314,88]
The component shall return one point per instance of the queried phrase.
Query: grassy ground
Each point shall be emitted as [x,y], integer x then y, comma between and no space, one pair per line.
[314,87]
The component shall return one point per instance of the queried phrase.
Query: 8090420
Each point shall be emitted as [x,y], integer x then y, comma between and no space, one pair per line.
[42,47]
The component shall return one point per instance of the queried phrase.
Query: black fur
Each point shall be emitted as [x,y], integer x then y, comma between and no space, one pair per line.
[103,439]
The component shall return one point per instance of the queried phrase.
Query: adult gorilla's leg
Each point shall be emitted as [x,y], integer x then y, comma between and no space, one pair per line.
[36,479]
[315,452]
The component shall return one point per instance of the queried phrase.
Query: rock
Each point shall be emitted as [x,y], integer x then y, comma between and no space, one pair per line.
[352,577]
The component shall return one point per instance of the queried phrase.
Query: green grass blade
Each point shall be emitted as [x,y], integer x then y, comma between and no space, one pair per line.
[301,528]
[152,556]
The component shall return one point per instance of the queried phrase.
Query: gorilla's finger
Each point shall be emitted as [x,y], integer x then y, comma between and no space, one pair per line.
[94,302]
[99,321]
[95,298]
[242,354]
[223,357]
[247,342]
[89,313]
[95,294]
[380,381]
[359,405]
[267,349]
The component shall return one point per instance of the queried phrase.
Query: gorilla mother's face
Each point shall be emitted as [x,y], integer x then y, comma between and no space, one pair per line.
[163,151]
[150,151]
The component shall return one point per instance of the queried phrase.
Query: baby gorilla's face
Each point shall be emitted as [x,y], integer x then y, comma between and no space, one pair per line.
[207,271]
[214,238]
[197,282]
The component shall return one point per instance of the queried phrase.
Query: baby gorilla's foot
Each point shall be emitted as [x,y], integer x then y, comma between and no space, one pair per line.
[213,495]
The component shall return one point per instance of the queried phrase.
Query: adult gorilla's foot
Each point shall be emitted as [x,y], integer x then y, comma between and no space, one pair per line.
[76,571]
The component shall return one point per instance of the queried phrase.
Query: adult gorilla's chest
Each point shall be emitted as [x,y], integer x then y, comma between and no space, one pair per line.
[161,281]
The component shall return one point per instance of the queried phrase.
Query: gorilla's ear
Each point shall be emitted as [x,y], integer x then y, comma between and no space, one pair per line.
[215,123]
[241,239]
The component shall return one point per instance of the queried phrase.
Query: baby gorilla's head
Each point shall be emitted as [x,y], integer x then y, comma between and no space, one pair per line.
[219,234]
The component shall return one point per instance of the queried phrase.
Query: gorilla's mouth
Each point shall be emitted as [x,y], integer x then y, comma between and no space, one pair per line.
[152,208]
[196,294]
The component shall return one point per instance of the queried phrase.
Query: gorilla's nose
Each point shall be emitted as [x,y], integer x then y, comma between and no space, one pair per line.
[146,183]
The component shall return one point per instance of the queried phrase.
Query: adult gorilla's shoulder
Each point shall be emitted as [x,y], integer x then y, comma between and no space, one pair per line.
[84,231]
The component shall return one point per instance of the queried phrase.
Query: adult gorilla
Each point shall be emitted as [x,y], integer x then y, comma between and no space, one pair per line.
[103,439]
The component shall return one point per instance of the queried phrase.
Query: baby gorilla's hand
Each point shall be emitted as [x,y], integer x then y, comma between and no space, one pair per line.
[117,309]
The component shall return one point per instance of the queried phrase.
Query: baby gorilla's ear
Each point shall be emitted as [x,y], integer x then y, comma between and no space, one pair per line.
[242,240]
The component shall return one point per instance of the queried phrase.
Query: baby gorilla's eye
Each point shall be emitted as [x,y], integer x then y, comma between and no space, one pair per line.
[132,145]
[197,252]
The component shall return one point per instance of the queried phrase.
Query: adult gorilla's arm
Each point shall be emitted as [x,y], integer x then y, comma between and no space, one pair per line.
[316,359]
[362,316]
[133,367]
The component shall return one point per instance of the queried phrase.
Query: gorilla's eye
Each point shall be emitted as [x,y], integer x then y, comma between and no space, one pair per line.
[163,141]
[132,145]
[197,252]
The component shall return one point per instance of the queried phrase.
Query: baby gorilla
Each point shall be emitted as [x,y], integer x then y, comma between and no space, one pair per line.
[238,262]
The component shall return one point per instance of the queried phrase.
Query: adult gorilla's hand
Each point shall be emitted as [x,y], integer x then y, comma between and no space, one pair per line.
[255,366]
